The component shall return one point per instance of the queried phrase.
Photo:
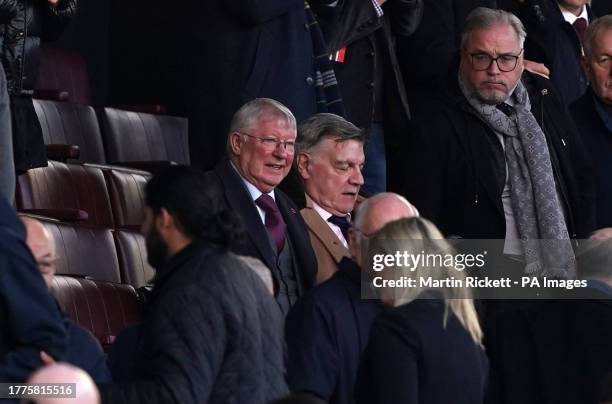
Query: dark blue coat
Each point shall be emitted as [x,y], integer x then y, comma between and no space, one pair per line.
[553,41]
[30,321]
[413,358]
[598,142]
[85,352]
[326,332]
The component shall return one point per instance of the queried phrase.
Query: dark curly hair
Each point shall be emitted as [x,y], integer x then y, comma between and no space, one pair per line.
[197,206]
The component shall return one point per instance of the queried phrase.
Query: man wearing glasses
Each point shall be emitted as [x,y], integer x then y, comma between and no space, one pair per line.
[592,114]
[498,157]
[261,147]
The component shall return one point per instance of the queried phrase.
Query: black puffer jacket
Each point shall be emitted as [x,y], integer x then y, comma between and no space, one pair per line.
[23,23]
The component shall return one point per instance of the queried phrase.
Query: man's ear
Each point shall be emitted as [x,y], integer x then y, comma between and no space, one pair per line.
[236,141]
[302,163]
[164,220]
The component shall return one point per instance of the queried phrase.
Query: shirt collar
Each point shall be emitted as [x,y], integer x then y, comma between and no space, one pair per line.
[252,189]
[571,18]
[325,214]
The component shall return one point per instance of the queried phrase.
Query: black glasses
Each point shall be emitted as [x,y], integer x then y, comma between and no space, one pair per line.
[505,63]
[271,143]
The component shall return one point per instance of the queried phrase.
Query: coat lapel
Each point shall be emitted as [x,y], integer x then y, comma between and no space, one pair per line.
[240,201]
[322,231]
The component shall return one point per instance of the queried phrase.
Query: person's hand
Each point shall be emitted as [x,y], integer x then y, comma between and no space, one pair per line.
[537,68]
[602,234]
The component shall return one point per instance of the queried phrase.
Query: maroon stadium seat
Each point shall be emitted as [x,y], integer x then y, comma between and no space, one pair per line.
[69,187]
[63,70]
[104,308]
[132,253]
[136,136]
[126,190]
[71,124]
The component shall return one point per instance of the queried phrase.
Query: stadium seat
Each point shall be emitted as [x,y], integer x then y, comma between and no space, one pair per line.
[104,308]
[71,124]
[63,72]
[132,253]
[136,136]
[64,191]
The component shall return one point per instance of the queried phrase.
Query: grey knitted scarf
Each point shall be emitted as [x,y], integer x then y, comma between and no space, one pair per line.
[533,193]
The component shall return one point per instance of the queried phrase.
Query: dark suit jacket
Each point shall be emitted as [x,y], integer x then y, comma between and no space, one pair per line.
[326,332]
[555,352]
[413,358]
[227,181]
[236,51]
[453,166]
[598,141]
[553,41]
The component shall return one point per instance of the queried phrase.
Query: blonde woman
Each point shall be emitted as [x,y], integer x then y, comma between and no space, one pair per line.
[426,348]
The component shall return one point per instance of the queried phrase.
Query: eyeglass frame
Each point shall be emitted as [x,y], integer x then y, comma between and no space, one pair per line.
[267,142]
[516,58]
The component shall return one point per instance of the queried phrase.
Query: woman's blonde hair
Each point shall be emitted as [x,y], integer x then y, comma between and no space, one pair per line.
[419,237]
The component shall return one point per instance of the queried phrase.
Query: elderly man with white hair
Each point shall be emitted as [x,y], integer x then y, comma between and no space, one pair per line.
[328,328]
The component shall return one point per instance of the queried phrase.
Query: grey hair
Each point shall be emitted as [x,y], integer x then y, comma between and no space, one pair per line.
[324,126]
[484,18]
[601,24]
[247,116]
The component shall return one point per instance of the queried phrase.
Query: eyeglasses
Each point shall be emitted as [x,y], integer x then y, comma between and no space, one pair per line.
[505,63]
[271,143]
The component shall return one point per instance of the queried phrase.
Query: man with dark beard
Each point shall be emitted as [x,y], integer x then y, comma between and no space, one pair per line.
[210,332]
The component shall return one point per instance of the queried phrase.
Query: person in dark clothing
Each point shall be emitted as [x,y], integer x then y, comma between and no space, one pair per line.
[559,351]
[554,38]
[29,319]
[260,150]
[361,39]
[427,349]
[210,332]
[592,114]
[327,330]
[25,24]
[84,351]
[236,51]
[469,144]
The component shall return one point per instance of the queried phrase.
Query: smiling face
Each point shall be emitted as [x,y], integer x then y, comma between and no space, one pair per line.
[332,176]
[598,65]
[491,86]
[263,166]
